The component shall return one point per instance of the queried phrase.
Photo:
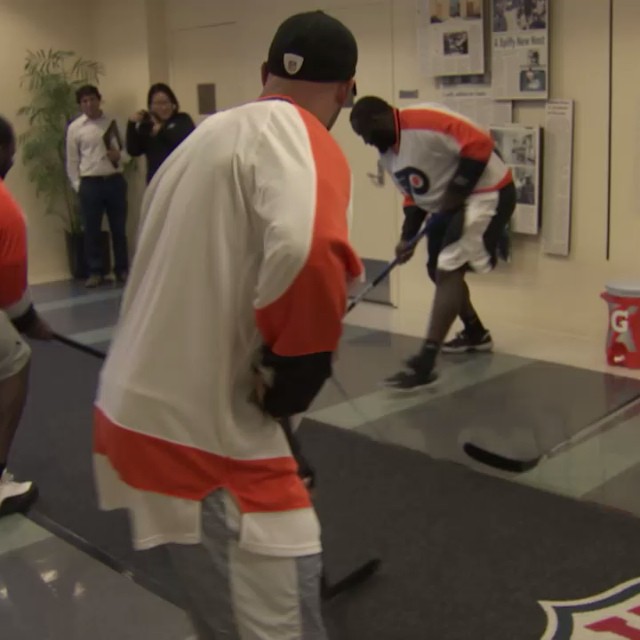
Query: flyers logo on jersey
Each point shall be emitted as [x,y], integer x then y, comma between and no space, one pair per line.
[413,181]
[612,614]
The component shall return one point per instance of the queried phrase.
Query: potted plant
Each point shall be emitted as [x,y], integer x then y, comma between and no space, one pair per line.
[52,78]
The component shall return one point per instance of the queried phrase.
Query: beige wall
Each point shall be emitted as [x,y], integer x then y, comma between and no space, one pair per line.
[536,290]
[128,38]
[33,25]
[625,229]
[121,41]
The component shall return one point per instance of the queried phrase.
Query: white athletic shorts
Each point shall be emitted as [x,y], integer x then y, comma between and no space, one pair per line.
[239,595]
[471,236]
[14,351]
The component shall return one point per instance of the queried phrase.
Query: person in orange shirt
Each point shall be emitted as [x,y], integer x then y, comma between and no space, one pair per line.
[17,315]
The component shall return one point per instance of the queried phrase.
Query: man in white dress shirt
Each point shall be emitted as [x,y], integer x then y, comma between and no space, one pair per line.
[95,172]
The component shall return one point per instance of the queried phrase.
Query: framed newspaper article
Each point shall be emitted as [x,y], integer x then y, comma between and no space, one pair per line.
[520,60]
[519,147]
[451,37]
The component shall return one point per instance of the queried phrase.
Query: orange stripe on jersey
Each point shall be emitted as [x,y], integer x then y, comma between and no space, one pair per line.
[152,464]
[474,142]
[307,318]
[13,250]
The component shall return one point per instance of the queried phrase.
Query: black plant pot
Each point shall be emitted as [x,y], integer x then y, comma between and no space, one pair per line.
[76,254]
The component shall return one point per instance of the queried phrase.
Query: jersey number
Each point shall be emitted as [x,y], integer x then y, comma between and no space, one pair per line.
[413,181]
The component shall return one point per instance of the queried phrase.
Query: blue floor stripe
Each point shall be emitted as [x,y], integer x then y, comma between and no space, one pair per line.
[66,303]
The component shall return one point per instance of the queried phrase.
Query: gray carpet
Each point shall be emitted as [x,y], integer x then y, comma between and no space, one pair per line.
[465,555]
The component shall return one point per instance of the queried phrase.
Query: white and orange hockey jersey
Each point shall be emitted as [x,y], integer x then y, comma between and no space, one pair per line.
[432,141]
[243,249]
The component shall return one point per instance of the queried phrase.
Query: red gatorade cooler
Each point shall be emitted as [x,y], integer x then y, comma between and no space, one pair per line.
[623,335]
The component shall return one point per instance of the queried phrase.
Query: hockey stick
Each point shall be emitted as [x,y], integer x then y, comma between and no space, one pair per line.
[513,465]
[384,274]
[361,296]
[79,346]
[306,472]
[497,461]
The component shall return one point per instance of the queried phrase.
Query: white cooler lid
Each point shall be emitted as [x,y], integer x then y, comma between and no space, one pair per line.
[624,289]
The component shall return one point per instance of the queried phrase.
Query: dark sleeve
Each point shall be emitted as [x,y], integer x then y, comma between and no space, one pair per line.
[294,381]
[467,174]
[137,139]
[462,184]
[24,321]
[413,218]
[475,148]
[182,126]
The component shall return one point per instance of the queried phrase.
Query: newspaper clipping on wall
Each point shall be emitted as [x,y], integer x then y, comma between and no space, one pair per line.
[558,161]
[519,147]
[520,61]
[484,111]
[472,97]
[451,37]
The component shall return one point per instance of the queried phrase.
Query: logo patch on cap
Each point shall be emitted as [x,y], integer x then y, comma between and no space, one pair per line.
[292,63]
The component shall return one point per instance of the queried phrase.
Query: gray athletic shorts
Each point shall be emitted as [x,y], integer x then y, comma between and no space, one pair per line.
[239,595]
[14,351]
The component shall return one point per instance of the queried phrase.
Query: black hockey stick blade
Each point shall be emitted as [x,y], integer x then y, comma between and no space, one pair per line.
[354,579]
[497,461]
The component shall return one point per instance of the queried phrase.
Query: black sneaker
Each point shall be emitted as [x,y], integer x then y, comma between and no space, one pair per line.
[410,380]
[424,359]
[462,343]
[414,361]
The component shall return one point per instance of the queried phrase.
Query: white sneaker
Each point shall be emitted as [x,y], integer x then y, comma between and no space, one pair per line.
[15,496]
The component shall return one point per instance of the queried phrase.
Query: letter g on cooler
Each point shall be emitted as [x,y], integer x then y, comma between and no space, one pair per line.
[620,321]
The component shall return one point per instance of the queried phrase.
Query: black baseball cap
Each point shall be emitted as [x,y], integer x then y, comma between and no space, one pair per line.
[313,46]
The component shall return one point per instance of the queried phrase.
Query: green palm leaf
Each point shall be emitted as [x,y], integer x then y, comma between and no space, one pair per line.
[51,79]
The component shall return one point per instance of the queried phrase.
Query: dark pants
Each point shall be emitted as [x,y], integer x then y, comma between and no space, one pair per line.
[100,195]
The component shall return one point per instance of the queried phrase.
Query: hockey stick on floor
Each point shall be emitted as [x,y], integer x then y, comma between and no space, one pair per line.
[513,465]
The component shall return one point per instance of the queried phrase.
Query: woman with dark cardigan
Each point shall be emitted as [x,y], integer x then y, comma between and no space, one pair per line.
[157,132]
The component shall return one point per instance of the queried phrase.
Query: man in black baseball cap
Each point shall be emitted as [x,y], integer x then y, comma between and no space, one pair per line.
[313,46]
[263,190]
[313,58]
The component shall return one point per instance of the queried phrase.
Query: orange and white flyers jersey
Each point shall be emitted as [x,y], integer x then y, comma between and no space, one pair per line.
[15,298]
[243,243]
[433,140]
